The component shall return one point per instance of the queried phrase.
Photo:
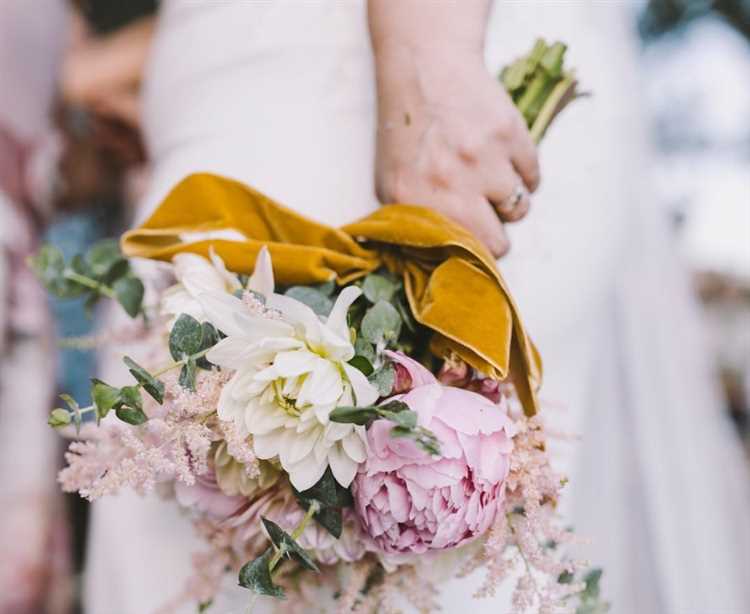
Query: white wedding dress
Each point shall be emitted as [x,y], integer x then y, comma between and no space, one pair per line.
[280,95]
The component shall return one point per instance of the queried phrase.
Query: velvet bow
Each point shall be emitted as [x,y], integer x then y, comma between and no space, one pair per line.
[451,281]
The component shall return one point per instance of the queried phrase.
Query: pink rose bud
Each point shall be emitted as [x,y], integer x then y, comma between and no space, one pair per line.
[455,373]
[488,388]
[402,382]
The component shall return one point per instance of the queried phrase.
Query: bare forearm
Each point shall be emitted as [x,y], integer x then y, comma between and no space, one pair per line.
[424,24]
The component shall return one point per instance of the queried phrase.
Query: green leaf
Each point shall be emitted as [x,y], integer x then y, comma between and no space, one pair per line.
[331,497]
[129,408]
[102,257]
[405,312]
[204,606]
[187,374]
[256,576]
[424,438]
[361,363]
[331,519]
[282,540]
[327,287]
[378,288]
[186,337]
[382,323]
[209,339]
[406,419]
[59,417]
[361,416]
[314,299]
[592,579]
[129,293]
[383,379]
[150,384]
[49,267]
[328,492]
[104,397]
[118,270]
[362,347]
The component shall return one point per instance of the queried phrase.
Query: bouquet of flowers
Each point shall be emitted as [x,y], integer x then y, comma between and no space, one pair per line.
[339,411]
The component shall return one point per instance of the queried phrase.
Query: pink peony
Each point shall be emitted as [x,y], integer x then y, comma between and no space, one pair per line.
[411,502]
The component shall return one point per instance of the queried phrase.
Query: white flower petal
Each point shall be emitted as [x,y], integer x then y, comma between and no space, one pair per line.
[344,468]
[220,309]
[265,419]
[299,445]
[355,447]
[306,473]
[291,364]
[336,322]
[261,281]
[230,352]
[197,274]
[298,314]
[364,392]
[337,431]
[322,386]
[267,446]
[231,282]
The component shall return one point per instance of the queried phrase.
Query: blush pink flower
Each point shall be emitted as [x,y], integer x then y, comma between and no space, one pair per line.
[410,502]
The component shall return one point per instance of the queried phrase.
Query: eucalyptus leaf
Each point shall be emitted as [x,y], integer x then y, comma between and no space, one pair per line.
[362,347]
[102,257]
[282,540]
[129,293]
[332,520]
[383,379]
[49,267]
[256,576]
[327,287]
[354,415]
[406,419]
[129,407]
[378,288]
[59,417]
[104,397]
[186,337]
[187,374]
[314,299]
[149,383]
[362,364]
[381,323]
[331,497]
[210,337]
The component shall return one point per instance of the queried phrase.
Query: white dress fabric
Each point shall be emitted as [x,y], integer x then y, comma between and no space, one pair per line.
[280,95]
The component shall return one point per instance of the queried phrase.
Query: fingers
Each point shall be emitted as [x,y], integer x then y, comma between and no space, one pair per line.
[524,158]
[508,194]
[480,218]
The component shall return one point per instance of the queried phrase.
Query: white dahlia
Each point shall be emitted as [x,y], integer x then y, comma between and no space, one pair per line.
[291,370]
[196,275]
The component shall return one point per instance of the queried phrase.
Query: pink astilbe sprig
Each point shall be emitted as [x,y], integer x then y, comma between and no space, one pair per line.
[525,542]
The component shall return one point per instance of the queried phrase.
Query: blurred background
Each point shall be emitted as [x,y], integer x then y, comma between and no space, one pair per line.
[72,177]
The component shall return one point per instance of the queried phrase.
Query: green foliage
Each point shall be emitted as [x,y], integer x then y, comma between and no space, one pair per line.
[381,324]
[361,363]
[59,417]
[186,337]
[75,410]
[288,545]
[315,299]
[101,271]
[331,498]
[129,293]
[398,412]
[380,287]
[149,383]
[129,407]
[104,397]
[256,576]
[383,379]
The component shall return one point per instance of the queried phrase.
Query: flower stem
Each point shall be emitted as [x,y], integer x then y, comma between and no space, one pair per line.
[300,528]
[89,283]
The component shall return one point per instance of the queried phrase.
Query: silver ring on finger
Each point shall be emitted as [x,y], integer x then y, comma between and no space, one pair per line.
[513,200]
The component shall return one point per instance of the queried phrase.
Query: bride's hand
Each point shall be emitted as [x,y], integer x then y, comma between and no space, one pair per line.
[449,137]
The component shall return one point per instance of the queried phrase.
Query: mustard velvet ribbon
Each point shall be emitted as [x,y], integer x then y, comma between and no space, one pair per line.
[451,281]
